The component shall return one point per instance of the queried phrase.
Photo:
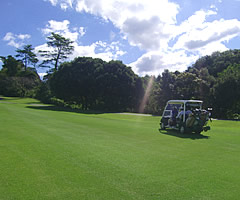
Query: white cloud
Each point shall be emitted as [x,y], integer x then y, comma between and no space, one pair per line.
[194,37]
[196,21]
[119,11]
[206,37]
[210,48]
[9,36]
[148,24]
[137,20]
[152,26]
[42,75]
[54,26]
[62,27]
[53,2]
[16,40]
[154,63]
[15,44]
[43,47]
[64,6]
[139,32]
[24,36]
[99,49]
[82,31]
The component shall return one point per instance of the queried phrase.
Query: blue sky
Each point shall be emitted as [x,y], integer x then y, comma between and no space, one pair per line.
[148,35]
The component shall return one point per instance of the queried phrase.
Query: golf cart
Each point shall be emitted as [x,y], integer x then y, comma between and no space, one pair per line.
[185,116]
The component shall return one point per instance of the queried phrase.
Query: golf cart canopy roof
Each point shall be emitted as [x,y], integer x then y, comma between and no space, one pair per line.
[181,104]
[184,101]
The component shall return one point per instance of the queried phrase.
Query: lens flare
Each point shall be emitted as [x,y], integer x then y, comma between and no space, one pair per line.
[146,95]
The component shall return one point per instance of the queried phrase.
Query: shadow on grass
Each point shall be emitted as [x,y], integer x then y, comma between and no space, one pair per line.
[34,103]
[64,109]
[192,136]
[10,98]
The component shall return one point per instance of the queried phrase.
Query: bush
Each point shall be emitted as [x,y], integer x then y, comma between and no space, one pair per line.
[43,93]
[236,116]
[58,102]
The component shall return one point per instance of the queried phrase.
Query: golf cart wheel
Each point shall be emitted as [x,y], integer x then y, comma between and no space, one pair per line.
[182,129]
[162,126]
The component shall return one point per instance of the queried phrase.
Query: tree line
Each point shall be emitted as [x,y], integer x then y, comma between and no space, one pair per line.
[93,84]
[215,79]
[19,77]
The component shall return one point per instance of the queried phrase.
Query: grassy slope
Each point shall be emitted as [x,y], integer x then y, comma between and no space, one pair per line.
[47,154]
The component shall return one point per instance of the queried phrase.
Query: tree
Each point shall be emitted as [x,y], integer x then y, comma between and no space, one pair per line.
[218,62]
[14,81]
[152,95]
[96,84]
[121,89]
[227,93]
[11,66]
[60,47]
[43,92]
[27,55]
[186,85]
[74,82]
[168,80]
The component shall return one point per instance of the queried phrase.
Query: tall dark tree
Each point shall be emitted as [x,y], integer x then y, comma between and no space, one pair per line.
[60,48]
[186,85]
[168,80]
[204,87]
[96,84]
[27,56]
[152,95]
[14,81]
[227,93]
[11,66]
[121,88]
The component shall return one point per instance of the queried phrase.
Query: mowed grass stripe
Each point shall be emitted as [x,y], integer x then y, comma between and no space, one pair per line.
[55,145]
[48,154]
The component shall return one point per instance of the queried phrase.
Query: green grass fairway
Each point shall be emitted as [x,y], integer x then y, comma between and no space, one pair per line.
[51,153]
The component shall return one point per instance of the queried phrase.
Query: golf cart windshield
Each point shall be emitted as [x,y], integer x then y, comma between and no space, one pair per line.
[170,107]
[167,113]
